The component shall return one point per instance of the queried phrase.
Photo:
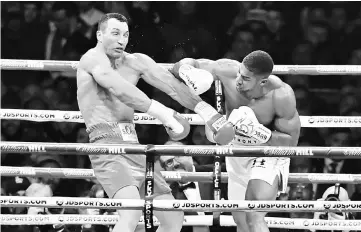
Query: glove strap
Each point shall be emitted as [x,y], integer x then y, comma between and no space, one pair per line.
[261,133]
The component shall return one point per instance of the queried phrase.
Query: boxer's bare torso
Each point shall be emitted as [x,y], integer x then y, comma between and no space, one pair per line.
[97,104]
[279,115]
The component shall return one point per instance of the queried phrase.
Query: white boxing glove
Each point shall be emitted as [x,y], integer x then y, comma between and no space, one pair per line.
[246,125]
[198,80]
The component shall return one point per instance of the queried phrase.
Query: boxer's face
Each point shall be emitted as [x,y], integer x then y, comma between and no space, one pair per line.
[114,37]
[247,82]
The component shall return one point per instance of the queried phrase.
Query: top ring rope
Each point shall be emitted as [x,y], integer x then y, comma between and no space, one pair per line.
[52,65]
[141,118]
[190,150]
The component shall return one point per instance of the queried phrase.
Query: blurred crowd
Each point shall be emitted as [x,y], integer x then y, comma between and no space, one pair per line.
[294,33]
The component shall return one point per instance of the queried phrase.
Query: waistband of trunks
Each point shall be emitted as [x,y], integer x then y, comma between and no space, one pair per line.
[106,130]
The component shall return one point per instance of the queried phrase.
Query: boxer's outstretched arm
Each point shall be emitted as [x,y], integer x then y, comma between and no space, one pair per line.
[99,66]
[287,122]
[220,69]
[162,79]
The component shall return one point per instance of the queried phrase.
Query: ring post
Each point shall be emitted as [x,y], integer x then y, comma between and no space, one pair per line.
[217,159]
[149,189]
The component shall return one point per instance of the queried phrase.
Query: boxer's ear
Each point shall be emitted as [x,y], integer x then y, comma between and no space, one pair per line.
[100,36]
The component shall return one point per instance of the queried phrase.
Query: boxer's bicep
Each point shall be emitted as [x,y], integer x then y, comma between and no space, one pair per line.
[287,122]
[162,79]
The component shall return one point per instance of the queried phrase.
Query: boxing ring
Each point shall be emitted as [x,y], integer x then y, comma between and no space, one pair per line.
[216,177]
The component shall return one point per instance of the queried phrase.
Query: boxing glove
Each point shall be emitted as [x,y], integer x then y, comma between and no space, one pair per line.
[198,80]
[176,125]
[221,130]
[246,124]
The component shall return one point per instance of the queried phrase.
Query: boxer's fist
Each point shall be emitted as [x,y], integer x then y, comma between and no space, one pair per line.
[222,130]
[198,80]
[178,129]
[246,124]
[176,126]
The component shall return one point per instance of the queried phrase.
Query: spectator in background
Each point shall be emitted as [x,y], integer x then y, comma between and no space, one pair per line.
[46,12]
[299,192]
[64,35]
[51,97]
[348,103]
[355,136]
[243,42]
[145,24]
[339,137]
[241,16]
[96,191]
[30,91]
[89,17]
[187,31]
[11,39]
[42,190]
[334,193]
[356,196]
[181,190]
[33,32]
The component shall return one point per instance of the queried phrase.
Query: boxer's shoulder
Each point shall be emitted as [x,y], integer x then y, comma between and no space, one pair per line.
[92,58]
[284,97]
[137,61]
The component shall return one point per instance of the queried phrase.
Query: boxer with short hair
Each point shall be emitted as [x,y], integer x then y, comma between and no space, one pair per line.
[262,109]
[107,97]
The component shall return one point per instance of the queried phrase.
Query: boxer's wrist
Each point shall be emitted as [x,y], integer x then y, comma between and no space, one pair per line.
[262,133]
[160,111]
[165,115]
[205,111]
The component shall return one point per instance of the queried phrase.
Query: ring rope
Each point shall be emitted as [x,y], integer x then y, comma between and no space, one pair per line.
[183,205]
[52,65]
[190,150]
[272,222]
[142,118]
[70,173]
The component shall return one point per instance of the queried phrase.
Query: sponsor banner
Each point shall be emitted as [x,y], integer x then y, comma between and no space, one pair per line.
[331,178]
[199,205]
[330,121]
[13,201]
[27,115]
[62,202]
[329,224]
[22,64]
[285,151]
[77,172]
[17,171]
[352,151]
[142,118]
[281,206]
[217,150]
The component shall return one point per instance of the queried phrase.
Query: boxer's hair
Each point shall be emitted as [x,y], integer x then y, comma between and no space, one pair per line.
[102,22]
[259,62]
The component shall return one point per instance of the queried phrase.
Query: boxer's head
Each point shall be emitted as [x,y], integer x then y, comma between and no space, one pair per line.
[254,72]
[113,34]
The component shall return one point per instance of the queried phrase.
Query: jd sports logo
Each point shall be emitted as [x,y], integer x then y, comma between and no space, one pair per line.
[60,203]
[251,206]
[176,205]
